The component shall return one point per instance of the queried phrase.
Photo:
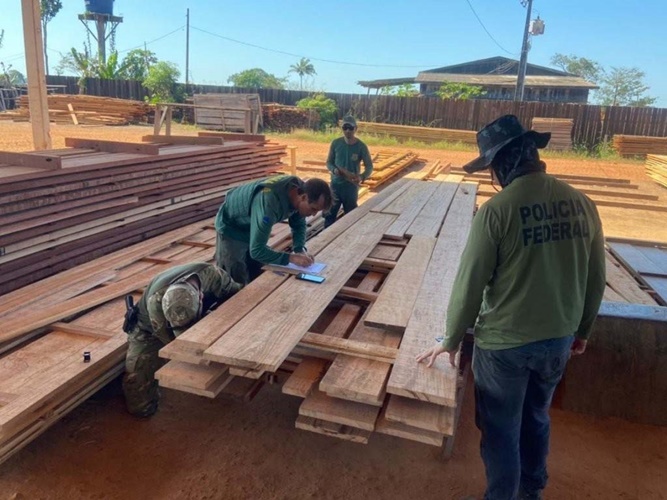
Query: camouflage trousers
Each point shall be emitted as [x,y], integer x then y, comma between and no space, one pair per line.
[141,390]
[234,257]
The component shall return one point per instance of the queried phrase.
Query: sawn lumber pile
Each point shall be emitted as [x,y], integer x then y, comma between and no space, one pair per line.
[561,131]
[422,134]
[637,145]
[42,381]
[656,168]
[85,109]
[64,207]
[604,191]
[390,269]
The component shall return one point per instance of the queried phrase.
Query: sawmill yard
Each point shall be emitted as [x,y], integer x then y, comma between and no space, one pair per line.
[224,447]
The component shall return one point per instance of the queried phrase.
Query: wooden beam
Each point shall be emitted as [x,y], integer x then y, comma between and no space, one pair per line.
[182,139]
[82,330]
[112,146]
[319,405]
[34,62]
[355,293]
[332,429]
[32,160]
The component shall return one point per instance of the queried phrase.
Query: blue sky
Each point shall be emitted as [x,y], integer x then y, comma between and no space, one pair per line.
[377,39]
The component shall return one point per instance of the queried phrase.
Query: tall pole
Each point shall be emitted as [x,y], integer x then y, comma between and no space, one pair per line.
[101,39]
[187,50]
[521,77]
[34,62]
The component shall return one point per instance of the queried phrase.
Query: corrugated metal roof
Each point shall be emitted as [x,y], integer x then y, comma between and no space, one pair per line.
[377,84]
[505,80]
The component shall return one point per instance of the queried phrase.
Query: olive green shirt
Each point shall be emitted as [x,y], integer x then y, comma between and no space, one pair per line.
[216,286]
[349,157]
[250,211]
[533,267]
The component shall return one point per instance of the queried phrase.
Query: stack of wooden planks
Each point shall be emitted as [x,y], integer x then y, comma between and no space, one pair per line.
[656,168]
[604,191]
[63,207]
[390,269]
[281,118]
[421,134]
[561,131]
[85,109]
[638,145]
[43,380]
[387,165]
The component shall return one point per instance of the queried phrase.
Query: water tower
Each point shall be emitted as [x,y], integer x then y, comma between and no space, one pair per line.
[101,13]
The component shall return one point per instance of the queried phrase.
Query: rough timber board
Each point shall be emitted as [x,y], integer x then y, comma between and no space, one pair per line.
[430,219]
[414,193]
[401,186]
[332,429]
[358,379]
[403,431]
[190,375]
[385,252]
[395,302]
[319,405]
[397,230]
[282,319]
[409,378]
[659,284]
[304,378]
[421,414]
[625,285]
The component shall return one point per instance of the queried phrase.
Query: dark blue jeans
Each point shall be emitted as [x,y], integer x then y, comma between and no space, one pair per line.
[513,391]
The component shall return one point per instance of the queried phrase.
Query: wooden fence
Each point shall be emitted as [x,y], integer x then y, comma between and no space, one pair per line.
[592,124]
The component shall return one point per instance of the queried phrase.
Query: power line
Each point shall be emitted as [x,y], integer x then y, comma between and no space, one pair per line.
[487,31]
[153,41]
[308,57]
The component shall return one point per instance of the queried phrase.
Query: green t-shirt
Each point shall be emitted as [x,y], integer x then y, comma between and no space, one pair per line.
[533,267]
[348,157]
[250,211]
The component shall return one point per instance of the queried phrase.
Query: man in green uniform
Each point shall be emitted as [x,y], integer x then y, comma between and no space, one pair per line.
[245,219]
[173,301]
[345,155]
[531,279]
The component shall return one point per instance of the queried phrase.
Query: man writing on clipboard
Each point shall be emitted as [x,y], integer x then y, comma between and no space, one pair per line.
[245,220]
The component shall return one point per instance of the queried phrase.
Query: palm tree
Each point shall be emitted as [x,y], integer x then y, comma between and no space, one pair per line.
[303,68]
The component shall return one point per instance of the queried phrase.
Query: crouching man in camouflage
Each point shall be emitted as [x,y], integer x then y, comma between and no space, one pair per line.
[172,302]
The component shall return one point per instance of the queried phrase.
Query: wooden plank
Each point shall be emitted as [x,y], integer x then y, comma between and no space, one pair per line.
[112,146]
[409,378]
[413,194]
[385,252]
[354,293]
[285,316]
[421,414]
[75,121]
[659,284]
[624,284]
[400,226]
[181,139]
[32,160]
[320,406]
[332,429]
[396,300]
[402,186]
[632,256]
[99,333]
[349,347]
[304,378]
[429,221]
[403,431]
[189,375]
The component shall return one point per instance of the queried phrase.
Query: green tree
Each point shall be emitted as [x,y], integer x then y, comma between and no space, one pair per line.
[403,90]
[49,10]
[585,68]
[78,63]
[136,63]
[303,68]
[327,108]
[461,91]
[624,87]
[161,81]
[110,69]
[256,78]
[10,77]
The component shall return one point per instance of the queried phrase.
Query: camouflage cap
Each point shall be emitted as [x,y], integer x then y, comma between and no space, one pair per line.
[498,134]
[181,306]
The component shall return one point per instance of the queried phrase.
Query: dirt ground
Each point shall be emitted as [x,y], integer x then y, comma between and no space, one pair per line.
[195,448]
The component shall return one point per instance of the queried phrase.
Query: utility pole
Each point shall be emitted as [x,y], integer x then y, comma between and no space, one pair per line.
[187,50]
[521,77]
